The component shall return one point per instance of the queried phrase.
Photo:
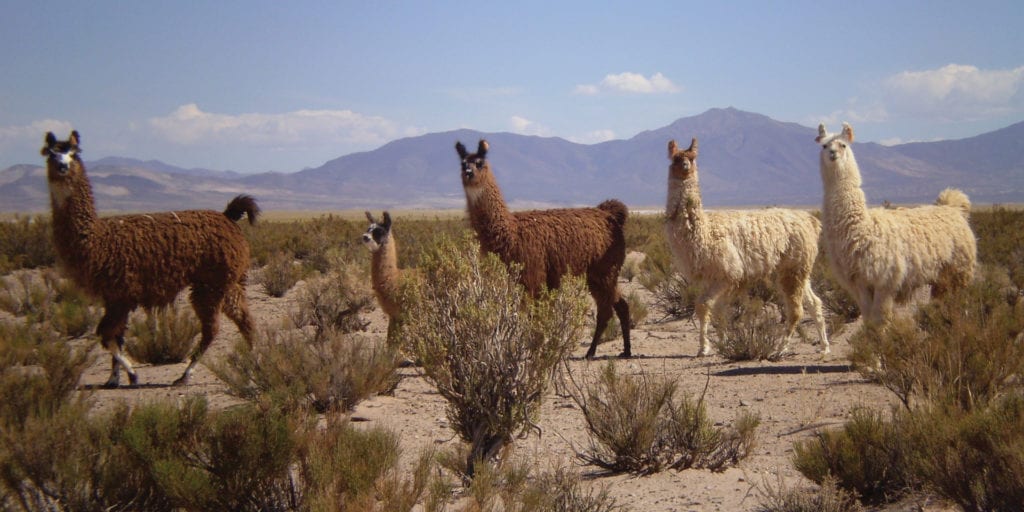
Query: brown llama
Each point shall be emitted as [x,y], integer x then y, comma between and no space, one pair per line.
[145,260]
[384,271]
[551,243]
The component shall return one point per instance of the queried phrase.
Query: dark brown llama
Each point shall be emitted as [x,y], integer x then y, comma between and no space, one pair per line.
[146,260]
[551,243]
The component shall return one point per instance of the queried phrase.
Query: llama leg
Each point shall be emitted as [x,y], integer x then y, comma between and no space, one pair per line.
[703,311]
[236,307]
[604,314]
[111,332]
[622,310]
[792,296]
[207,305]
[819,316]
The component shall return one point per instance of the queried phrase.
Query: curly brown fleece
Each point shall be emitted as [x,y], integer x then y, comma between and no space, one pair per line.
[147,259]
[551,243]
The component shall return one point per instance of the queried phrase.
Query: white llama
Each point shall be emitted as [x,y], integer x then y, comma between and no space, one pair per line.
[879,255]
[725,252]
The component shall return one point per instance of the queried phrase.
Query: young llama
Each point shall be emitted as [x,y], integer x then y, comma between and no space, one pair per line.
[384,271]
[723,253]
[880,256]
[145,260]
[551,243]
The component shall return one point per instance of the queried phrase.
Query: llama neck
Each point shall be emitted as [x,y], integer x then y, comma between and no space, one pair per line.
[385,262]
[844,198]
[74,217]
[684,207]
[489,216]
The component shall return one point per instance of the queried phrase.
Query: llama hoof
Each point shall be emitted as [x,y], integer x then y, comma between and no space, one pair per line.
[181,381]
[133,379]
[111,384]
[625,355]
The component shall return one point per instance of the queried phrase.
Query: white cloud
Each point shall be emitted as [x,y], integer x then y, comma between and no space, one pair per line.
[955,92]
[189,125]
[633,83]
[524,126]
[33,132]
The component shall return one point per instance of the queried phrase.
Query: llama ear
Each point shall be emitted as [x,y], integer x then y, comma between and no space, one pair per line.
[74,139]
[369,217]
[51,139]
[693,145]
[822,133]
[387,220]
[481,149]
[848,132]
[461,150]
[672,148]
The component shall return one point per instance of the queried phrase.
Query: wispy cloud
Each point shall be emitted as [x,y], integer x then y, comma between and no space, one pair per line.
[11,136]
[190,125]
[633,83]
[955,92]
[524,126]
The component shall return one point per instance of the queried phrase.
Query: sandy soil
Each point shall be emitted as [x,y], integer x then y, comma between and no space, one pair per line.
[804,391]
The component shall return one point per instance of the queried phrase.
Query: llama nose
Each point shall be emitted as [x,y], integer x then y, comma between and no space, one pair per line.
[366,238]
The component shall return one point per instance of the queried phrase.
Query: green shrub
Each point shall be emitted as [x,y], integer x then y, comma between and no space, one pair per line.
[488,350]
[964,347]
[163,336]
[26,242]
[331,371]
[38,372]
[335,302]
[866,456]
[828,497]
[976,458]
[279,274]
[638,425]
[749,330]
[48,298]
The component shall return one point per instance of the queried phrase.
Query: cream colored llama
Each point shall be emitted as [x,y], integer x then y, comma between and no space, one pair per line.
[725,252]
[880,256]
[384,270]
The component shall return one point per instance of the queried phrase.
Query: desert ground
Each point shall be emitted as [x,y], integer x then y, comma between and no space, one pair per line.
[804,391]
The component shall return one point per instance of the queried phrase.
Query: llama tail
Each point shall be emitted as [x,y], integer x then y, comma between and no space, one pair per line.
[617,209]
[242,205]
[956,198]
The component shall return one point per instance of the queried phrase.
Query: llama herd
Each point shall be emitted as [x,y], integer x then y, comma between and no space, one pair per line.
[878,255]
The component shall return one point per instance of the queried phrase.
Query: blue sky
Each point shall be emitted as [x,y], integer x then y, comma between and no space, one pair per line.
[256,86]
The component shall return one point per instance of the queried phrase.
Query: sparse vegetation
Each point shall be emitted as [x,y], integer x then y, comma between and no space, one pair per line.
[488,350]
[639,425]
[750,331]
[162,335]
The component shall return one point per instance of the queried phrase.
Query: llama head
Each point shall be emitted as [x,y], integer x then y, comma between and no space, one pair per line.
[474,168]
[835,147]
[378,234]
[63,165]
[61,155]
[684,161]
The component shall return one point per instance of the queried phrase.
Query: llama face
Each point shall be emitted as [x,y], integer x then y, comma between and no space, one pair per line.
[63,165]
[378,233]
[684,162]
[61,156]
[835,147]
[474,167]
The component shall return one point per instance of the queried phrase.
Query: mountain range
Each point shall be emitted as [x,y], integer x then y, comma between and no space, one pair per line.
[746,159]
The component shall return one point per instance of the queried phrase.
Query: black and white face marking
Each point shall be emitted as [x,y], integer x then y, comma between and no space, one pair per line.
[472,164]
[63,159]
[377,233]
